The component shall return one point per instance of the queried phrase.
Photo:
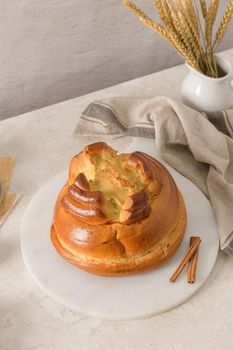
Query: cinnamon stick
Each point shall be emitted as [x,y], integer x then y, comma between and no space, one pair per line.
[191,277]
[185,259]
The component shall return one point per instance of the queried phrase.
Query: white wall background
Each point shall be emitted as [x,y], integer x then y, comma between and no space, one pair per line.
[52,50]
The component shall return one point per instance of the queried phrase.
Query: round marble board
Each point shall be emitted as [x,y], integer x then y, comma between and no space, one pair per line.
[130,297]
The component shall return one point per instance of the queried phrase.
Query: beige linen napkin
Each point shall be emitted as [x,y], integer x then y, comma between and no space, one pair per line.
[7,201]
[198,146]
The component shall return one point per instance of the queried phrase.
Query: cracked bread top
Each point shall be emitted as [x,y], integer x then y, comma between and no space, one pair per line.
[107,187]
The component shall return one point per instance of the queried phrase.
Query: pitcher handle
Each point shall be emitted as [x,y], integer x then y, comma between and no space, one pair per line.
[231,83]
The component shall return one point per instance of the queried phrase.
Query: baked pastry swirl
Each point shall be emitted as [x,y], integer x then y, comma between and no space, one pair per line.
[117,214]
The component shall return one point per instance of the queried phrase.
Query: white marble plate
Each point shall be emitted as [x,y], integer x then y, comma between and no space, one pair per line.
[131,297]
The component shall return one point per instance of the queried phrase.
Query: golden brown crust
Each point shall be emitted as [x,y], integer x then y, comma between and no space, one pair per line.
[139,159]
[94,214]
[82,183]
[131,216]
[135,201]
[85,197]
[158,254]
[146,222]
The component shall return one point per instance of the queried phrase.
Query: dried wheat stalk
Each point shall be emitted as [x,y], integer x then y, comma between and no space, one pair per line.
[164,14]
[183,29]
[224,23]
[190,12]
[209,21]
[168,12]
[203,8]
[189,29]
[147,20]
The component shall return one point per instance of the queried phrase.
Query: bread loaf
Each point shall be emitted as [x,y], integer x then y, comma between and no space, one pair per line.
[117,214]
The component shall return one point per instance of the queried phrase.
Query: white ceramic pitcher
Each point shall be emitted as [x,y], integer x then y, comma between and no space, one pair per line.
[209,94]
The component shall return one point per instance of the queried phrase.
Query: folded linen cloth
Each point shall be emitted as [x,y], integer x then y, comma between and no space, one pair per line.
[198,146]
[7,201]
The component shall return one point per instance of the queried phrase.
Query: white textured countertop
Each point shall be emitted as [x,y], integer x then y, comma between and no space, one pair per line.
[42,143]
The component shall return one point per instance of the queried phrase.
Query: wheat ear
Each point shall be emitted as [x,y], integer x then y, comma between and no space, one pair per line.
[168,36]
[147,20]
[184,52]
[224,23]
[209,22]
[174,18]
[190,12]
[164,14]
[192,33]
[203,8]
